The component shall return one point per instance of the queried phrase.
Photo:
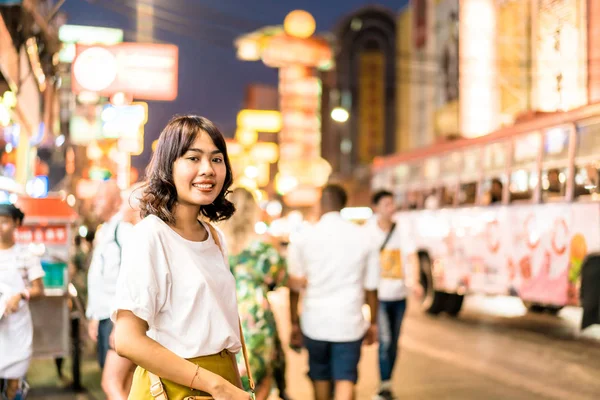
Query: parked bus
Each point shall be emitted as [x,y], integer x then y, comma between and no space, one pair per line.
[515,212]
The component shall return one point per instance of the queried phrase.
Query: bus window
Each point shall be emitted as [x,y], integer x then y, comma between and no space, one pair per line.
[554,182]
[587,180]
[440,197]
[587,158]
[468,194]
[492,191]
[414,200]
[448,195]
[432,199]
[524,176]
[554,162]
[522,184]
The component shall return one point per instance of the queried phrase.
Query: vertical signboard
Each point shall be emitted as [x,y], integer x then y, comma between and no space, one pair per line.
[299,98]
[514,44]
[371,105]
[479,94]
[593,50]
[560,54]
[447,49]
[404,79]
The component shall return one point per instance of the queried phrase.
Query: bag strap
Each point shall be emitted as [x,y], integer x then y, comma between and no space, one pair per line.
[157,389]
[217,240]
[388,237]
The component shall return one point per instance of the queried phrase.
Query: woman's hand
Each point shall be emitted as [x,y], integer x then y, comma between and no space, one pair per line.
[227,391]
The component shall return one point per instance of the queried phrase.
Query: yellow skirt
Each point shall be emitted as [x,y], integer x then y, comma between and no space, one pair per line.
[220,364]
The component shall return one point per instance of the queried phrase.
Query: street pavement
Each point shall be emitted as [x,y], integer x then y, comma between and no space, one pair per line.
[493,350]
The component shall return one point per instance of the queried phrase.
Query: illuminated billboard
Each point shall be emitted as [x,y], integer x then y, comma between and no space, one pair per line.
[145,71]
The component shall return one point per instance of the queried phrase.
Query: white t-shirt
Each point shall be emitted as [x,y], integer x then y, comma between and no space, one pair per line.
[182,289]
[105,266]
[393,261]
[18,268]
[339,263]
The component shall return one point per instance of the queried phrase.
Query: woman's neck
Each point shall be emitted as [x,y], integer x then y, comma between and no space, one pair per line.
[186,221]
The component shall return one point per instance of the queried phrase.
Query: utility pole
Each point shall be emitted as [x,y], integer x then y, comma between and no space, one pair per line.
[145,21]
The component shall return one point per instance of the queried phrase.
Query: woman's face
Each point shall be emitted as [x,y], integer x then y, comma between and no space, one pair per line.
[200,173]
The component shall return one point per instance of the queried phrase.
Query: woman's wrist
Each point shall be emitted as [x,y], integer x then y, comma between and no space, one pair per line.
[215,384]
[25,295]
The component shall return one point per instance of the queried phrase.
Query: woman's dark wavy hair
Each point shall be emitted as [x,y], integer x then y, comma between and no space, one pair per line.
[160,195]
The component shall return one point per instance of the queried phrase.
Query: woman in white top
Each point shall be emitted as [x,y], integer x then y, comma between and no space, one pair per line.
[176,311]
[20,280]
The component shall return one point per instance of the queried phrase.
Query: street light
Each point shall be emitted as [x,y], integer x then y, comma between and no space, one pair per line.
[340,115]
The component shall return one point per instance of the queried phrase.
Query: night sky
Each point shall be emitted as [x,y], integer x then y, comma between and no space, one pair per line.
[211,80]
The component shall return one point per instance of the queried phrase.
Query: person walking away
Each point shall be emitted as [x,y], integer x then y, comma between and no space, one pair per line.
[102,285]
[383,231]
[175,310]
[21,276]
[342,273]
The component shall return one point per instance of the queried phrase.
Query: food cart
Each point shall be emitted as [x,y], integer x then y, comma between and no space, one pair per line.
[47,230]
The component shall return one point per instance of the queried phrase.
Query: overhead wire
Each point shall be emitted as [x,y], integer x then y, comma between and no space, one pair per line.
[166,26]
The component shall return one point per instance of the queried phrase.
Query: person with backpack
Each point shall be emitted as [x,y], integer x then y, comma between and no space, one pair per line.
[117,372]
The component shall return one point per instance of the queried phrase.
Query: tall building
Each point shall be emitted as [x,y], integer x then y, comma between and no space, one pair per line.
[364,84]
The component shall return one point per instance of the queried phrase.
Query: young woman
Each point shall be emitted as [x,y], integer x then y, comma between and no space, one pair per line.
[21,276]
[258,268]
[176,309]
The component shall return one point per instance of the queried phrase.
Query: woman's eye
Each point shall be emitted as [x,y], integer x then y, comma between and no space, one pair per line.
[217,160]
[193,159]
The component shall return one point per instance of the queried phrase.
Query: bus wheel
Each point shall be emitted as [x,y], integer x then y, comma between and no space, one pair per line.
[434,301]
[553,310]
[454,303]
[534,307]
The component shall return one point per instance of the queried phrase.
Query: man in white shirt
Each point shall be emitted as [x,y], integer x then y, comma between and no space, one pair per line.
[392,285]
[102,284]
[342,272]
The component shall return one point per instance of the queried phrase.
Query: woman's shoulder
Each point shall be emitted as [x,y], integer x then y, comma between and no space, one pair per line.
[150,228]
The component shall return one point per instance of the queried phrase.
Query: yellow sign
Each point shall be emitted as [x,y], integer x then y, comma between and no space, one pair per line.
[371,105]
[391,264]
[259,120]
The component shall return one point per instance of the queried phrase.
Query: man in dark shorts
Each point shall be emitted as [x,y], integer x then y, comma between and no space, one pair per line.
[341,269]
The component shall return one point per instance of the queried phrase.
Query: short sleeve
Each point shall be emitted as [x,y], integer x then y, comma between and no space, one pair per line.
[124,232]
[142,283]
[296,265]
[373,268]
[34,267]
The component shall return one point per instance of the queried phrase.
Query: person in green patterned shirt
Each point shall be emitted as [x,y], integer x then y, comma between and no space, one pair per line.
[258,268]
